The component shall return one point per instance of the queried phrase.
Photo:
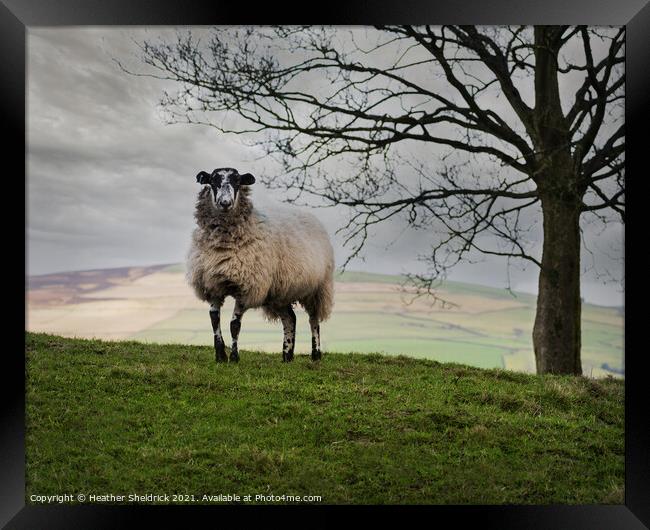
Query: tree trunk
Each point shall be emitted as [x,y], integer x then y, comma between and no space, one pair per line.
[556,334]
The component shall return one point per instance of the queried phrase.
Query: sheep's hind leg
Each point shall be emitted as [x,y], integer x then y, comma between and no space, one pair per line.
[235,326]
[289,324]
[315,338]
[219,345]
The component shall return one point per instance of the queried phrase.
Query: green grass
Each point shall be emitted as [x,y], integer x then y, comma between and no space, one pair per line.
[127,417]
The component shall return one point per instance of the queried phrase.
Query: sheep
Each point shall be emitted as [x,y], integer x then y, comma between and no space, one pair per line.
[267,258]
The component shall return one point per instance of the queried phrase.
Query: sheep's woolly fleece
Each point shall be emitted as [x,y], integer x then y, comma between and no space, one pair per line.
[264,258]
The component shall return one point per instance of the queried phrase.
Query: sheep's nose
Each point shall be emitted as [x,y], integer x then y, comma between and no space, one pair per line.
[225,203]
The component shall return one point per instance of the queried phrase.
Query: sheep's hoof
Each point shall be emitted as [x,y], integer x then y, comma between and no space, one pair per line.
[287,357]
[221,358]
[316,355]
[234,356]
[219,350]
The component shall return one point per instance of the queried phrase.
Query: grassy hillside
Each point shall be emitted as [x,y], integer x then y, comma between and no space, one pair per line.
[484,326]
[487,328]
[127,417]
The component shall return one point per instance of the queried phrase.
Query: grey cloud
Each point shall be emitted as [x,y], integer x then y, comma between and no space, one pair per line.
[109,184]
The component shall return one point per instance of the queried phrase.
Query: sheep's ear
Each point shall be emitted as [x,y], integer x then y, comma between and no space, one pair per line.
[203,178]
[246,179]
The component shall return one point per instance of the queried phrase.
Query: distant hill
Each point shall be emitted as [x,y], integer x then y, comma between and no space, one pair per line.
[483,326]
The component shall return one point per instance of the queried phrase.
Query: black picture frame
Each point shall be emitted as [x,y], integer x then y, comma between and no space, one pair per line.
[16,16]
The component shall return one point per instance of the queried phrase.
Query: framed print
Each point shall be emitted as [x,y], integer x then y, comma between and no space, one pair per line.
[345,263]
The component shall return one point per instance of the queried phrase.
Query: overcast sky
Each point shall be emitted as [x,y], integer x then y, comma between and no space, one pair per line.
[110,185]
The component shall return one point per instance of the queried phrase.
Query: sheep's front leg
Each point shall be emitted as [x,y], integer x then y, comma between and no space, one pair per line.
[235,326]
[289,343]
[219,345]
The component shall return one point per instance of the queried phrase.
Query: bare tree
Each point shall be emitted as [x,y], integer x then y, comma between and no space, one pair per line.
[505,141]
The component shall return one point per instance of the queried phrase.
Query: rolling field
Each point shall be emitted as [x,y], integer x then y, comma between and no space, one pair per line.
[484,327]
[127,417]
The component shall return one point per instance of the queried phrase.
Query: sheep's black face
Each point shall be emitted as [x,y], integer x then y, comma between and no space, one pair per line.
[224,185]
